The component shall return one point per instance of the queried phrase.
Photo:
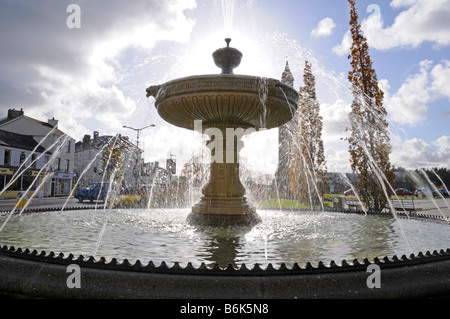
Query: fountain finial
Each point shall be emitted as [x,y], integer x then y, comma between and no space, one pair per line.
[227,58]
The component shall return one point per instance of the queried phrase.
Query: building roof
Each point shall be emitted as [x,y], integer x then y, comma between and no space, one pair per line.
[23,142]
[99,142]
[14,115]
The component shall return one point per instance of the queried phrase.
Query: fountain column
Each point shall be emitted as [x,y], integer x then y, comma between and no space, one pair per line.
[224,199]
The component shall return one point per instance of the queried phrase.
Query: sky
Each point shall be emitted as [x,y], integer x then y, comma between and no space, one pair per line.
[88,63]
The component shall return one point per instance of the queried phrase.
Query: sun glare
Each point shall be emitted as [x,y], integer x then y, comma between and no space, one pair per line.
[198,59]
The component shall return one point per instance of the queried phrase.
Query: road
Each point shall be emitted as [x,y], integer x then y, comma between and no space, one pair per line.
[7,205]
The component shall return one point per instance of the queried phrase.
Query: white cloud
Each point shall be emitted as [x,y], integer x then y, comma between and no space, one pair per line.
[420,21]
[414,153]
[335,122]
[443,143]
[423,21]
[335,119]
[344,47]
[324,29]
[410,104]
[441,79]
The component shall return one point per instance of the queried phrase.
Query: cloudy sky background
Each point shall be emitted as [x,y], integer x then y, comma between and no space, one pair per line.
[93,78]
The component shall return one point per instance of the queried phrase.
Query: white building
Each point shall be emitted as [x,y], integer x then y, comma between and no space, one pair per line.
[21,165]
[135,174]
[58,146]
[89,162]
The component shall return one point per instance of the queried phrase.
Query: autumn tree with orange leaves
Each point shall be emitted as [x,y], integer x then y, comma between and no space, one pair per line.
[308,166]
[369,143]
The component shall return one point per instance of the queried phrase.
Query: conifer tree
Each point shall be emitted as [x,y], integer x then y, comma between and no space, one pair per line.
[308,166]
[369,143]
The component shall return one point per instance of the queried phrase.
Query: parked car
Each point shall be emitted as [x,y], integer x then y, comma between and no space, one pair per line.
[403,192]
[95,191]
[442,192]
[351,192]
[425,192]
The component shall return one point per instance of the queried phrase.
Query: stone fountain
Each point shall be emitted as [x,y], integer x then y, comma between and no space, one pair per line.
[225,107]
[220,103]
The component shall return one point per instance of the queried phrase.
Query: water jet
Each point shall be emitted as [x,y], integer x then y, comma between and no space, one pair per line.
[273,265]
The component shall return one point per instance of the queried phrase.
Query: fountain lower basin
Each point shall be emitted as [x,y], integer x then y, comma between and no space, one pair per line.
[270,260]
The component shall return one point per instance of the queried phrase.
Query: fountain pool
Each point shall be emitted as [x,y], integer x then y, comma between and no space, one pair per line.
[282,238]
[159,254]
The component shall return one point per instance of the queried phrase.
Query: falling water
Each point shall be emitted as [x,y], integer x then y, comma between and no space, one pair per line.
[442,182]
[278,193]
[102,231]
[62,141]
[229,8]
[415,176]
[47,166]
[228,11]
[150,196]
[435,189]
[355,192]
[374,168]
[263,85]
[21,169]
[86,169]
[312,178]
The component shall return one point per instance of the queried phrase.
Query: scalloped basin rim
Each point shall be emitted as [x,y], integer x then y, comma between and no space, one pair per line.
[203,269]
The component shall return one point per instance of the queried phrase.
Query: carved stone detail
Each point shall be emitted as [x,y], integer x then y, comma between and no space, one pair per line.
[228,99]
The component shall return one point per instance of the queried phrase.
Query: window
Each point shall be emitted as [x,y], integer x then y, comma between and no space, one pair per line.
[22,158]
[33,160]
[58,164]
[7,157]
[67,165]
[68,147]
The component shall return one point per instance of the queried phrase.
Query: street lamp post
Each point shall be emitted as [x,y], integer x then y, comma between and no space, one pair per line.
[136,170]
[138,131]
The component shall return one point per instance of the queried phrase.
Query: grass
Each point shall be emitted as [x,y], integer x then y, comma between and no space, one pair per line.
[128,201]
[279,203]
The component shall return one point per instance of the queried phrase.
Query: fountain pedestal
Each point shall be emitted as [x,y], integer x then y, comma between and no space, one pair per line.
[224,201]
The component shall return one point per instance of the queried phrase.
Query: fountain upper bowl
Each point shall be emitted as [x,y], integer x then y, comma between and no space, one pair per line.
[225,101]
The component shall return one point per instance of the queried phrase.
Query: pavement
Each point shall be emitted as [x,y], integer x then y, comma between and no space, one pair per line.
[434,207]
